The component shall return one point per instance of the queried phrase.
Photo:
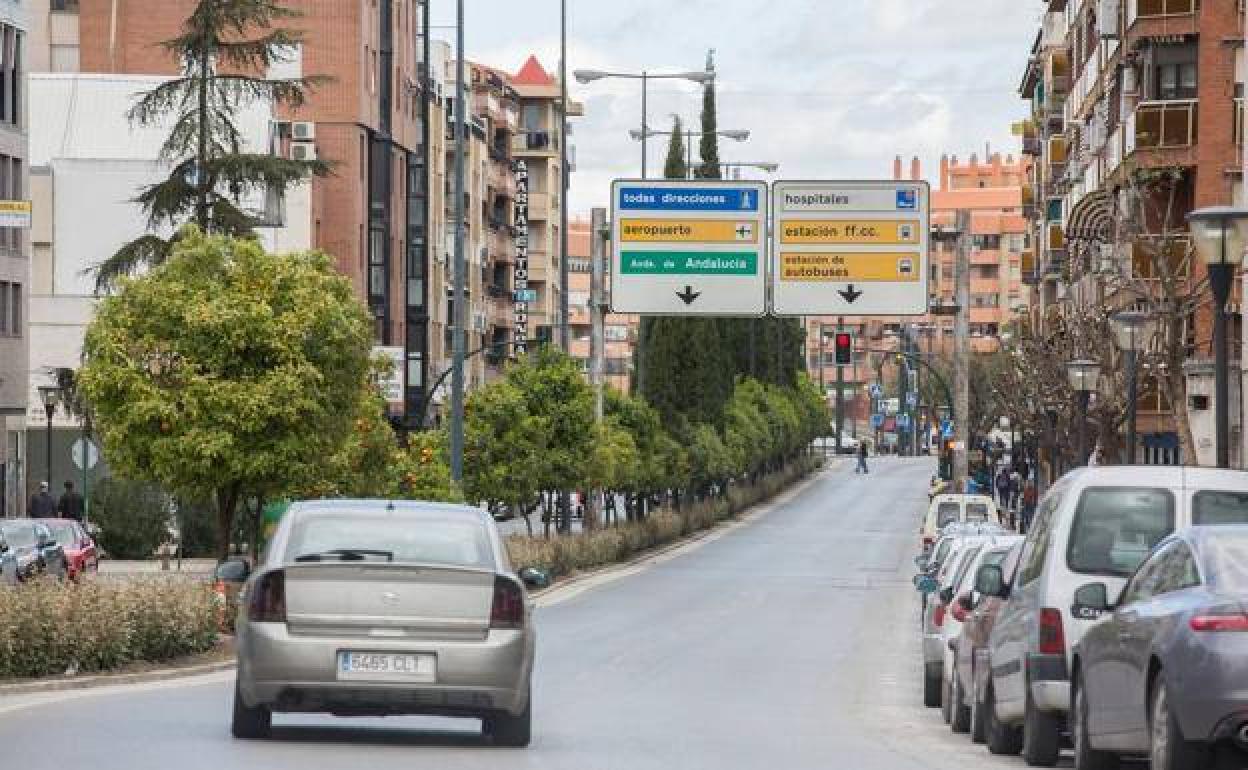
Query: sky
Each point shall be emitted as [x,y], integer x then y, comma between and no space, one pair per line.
[829,89]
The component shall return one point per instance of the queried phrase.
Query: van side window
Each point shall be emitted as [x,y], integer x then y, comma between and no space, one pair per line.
[946,513]
[1216,507]
[1036,548]
[1178,570]
[1115,528]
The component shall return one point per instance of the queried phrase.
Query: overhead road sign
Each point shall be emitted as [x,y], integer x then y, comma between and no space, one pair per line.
[850,247]
[689,247]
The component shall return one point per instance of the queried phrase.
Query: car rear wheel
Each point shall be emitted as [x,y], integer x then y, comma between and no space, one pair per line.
[250,722]
[1042,736]
[931,686]
[946,700]
[1002,739]
[508,730]
[961,712]
[1167,748]
[1086,757]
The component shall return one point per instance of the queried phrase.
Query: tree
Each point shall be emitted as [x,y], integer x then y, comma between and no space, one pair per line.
[224,372]
[674,167]
[708,148]
[222,46]
[689,371]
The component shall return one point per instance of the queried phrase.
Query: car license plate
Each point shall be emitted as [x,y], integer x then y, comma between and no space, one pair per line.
[387,666]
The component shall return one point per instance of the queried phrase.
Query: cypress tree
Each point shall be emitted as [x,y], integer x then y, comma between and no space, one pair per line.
[675,167]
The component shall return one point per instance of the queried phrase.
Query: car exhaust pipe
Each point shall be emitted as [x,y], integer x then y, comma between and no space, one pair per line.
[1241,736]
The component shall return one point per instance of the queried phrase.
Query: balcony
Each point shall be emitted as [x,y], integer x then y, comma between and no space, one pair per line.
[1169,15]
[1147,251]
[1164,124]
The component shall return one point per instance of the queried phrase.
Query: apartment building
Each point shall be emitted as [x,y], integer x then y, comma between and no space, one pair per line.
[991,190]
[1120,88]
[14,253]
[619,330]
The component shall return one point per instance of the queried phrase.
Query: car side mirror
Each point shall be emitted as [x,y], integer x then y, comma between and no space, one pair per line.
[534,577]
[1091,601]
[232,571]
[946,594]
[990,581]
[966,602]
[925,584]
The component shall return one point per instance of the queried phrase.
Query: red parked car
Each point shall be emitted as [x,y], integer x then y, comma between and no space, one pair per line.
[81,554]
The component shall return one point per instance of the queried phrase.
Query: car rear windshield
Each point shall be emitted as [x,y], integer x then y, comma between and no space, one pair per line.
[1226,561]
[424,539]
[65,534]
[946,513]
[1212,508]
[1115,528]
[976,512]
[19,535]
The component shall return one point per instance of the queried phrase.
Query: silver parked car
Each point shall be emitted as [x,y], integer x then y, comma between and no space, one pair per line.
[1166,670]
[376,608]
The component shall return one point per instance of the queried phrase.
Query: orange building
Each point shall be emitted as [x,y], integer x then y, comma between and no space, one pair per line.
[620,331]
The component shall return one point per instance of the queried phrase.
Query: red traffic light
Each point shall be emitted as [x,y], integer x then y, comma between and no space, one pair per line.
[844,349]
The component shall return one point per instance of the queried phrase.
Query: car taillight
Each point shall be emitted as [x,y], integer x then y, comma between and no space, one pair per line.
[507,610]
[1227,622]
[928,541]
[938,616]
[267,603]
[959,612]
[1052,639]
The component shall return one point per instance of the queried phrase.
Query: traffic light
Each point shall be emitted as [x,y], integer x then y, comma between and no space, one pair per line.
[844,349]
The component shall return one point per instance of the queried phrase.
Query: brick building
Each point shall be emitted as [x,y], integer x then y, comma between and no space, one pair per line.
[619,331]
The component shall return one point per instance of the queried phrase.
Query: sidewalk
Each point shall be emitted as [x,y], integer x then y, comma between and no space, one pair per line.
[123,567]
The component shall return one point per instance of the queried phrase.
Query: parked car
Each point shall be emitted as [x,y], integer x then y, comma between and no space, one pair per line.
[970,650]
[37,552]
[935,587]
[950,508]
[955,600]
[81,555]
[8,562]
[1094,523]
[1165,670]
[370,607]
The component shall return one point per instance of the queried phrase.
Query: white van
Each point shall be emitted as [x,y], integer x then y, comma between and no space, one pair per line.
[1093,524]
[950,508]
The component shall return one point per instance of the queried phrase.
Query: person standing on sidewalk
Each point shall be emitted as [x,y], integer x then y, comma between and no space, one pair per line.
[42,505]
[1028,507]
[70,505]
[862,458]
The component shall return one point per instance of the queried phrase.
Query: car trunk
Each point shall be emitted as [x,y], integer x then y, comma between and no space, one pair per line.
[388,601]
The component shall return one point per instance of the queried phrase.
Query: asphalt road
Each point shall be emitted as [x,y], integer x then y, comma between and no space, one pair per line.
[790,642]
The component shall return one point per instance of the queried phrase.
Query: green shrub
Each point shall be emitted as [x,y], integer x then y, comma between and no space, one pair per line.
[133,517]
[47,628]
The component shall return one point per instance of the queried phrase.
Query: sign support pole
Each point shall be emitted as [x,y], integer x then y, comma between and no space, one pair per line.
[840,391]
[961,354]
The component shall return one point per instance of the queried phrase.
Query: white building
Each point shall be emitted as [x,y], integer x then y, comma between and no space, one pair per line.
[87,164]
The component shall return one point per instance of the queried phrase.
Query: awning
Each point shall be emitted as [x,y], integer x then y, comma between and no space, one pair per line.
[1092,219]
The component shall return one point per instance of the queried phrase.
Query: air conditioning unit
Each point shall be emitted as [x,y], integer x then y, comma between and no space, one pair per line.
[1107,18]
[303,151]
[303,131]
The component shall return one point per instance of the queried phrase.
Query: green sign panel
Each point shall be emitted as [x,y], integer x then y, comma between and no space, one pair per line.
[689,263]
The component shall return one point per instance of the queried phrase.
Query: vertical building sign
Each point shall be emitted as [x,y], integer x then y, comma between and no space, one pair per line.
[520,287]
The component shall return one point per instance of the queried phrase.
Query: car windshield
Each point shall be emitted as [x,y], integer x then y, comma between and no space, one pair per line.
[398,537]
[942,551]
[18,534]
[1226,561]
[946,513]
[65,534]
[1115,528]
[1216,507]
[976,512]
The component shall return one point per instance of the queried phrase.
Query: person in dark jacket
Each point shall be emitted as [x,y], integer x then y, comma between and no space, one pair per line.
[42,505]
[862,458]
[70,505]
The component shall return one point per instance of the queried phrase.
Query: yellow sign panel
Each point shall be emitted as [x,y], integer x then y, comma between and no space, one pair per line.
[856,266]
[688,231]
[849,231]
[15,213]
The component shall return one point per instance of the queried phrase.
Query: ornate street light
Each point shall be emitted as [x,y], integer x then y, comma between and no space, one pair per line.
[1133,331]
[1083,375]
[1219,233]
[51,397]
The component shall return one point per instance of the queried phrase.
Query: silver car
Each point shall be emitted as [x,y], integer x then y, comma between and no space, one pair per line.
[1166,669]
[376,608]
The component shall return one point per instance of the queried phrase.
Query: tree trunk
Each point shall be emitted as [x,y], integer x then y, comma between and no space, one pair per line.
[227,503]
[256,521]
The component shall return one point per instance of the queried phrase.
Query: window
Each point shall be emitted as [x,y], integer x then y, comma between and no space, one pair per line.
[424,539]
[1115,528]
[4,308]
[1143,584]
[947,513]
[976,512]
[616,333]
[1176,81]
[1211,507]
[965,566]
[1177,569]
[1226,562]
[1036,547]
[985,272]
[15,299]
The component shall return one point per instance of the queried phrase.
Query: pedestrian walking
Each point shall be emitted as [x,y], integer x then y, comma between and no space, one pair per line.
[1003,487]
[862,458]
[1028,507]
[1016,488]
[70,505]
[42,505]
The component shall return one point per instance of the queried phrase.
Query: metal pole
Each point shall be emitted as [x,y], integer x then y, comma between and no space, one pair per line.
[597,340]
[563,176]
[840,386]
[1084,397]
[49,410]
[457,323]
[645,131]
[1220,282]
[1132,387]
[823,393]
[961,354]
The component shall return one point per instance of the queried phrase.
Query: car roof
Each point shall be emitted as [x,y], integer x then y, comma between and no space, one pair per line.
[363,505]
[954,497]
[1178,476]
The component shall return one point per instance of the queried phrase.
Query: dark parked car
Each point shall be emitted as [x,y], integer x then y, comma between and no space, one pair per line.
[81,554]
[1166,669]
[8,563]
[971,650]
[36,551]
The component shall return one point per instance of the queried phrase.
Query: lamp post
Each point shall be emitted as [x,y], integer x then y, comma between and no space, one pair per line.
[589,76]
[50,395]
[766,166]
[1134,330]
[1083,374]
[1219,236]
[737,135]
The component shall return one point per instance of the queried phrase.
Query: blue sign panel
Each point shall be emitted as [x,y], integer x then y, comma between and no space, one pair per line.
[903,421]
[688,199]
[875,390]
[946,428]
[526,295]
[877,420]
[907,199]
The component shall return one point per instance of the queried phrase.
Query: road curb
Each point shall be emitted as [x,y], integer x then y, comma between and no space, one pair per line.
[109,680]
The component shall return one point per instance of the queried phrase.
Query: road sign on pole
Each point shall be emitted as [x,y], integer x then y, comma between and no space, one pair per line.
[850,248]
[875,390]
[84,453]
[877,421]
[689,247]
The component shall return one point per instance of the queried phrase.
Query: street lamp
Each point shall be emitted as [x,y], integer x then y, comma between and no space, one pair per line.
[1219,235]
[1083,374]
[589,76]
[50,395]
[1133,330]
[767,167]
[737,135]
